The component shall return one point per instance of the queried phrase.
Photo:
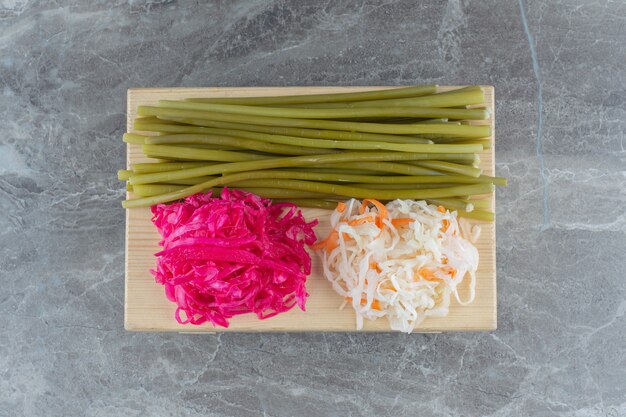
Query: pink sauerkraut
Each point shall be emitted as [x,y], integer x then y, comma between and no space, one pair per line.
[232,255]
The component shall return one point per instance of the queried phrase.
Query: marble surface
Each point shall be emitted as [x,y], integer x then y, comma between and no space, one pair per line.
[558,69]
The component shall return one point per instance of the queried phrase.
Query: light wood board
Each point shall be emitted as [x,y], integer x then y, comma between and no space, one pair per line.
[147,309]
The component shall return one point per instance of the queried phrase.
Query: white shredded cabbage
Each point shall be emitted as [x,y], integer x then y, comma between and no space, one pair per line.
[404,272]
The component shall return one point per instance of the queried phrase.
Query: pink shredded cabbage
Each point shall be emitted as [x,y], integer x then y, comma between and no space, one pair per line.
[232,255]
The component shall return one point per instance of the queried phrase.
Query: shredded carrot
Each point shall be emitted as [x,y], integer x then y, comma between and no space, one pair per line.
[341,207]
[330,243]
[446,224]
[441,209]
[448,270]
[382,210]
[428,275]
[402,221]
[362,220]
[388,286]
[374,265]
[375,303]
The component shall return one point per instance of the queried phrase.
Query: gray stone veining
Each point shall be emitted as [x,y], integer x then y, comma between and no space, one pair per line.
[558,69]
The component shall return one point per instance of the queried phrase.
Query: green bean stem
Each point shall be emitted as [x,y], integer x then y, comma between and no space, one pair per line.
[124,174]
[148,190]
[481,204]
[367,181]
[142,168]
[145,167]
[477,215]
[455,98]
[342,113]
[310,203]
[325,98]
[200,117]
[295,144]
[212,147]
[134,139]
[295,161]
[234,128]
[382,167]
[181,152]
[317,187]
[401,186]
[284,148]
[451,167]
[450,203]
[465,158]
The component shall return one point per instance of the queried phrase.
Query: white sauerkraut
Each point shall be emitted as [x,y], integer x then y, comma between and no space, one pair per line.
[403,261]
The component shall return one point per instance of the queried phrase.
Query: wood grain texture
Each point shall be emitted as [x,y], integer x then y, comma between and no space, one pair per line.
[147,309]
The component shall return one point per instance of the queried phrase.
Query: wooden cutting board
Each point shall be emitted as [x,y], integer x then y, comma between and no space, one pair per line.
[147,309]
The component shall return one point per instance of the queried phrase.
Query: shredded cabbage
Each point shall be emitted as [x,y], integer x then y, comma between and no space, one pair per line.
[232,255]
[402,261]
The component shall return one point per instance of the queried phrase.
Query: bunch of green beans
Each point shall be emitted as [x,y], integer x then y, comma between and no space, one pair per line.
[316,150]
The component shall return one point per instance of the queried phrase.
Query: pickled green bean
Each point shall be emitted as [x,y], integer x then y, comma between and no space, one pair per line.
[398,129]
[383,167]
[343,170]
[301,146]
[295,161]
[180,152]
[148,190]
[413,186]
[477,215]
[481,204]
[133,138]
[145,167]
[449,203]
[339,113]
[124,174]
[236,142]
[415,91]
[450,99]
[234,129]
[367,181]
[310,203]
[317,187]
[212,147]
[451,167]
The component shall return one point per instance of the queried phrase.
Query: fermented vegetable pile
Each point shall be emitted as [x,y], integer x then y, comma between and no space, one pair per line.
[410,155]
[314,150]
[402,261]
[232,255]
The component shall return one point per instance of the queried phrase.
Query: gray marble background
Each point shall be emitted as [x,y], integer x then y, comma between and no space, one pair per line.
[558,69]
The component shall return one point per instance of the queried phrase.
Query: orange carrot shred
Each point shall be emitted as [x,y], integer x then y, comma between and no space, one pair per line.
[374,265]
[441,209]
[446,224]
[448,270]
[329,243]
[382,211]
[361,220]
[402,221]
[341,207]
[428,275]
[375,303]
